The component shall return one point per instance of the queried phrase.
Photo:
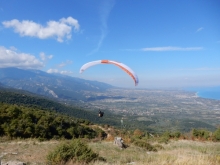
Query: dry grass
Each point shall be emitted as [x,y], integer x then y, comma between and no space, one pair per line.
[28,151]
[182,152]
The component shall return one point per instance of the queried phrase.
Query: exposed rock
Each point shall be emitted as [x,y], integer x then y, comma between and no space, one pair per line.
[119,142]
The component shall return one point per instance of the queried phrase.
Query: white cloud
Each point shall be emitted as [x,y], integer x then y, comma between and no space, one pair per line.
[105,10]
[171,48]
[61,65]
[52,71]
[59,29]
[59,71]
[13,58]
[65,63]
[199,29]
[66,72]
[44,57]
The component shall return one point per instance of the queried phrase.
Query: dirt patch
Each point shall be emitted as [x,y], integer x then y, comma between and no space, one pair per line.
[28,151]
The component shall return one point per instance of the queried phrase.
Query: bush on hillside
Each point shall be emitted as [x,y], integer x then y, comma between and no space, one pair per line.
[145,145]
[217,134]
[100,133]
[201,133]
[138,133]
[75,151]
[164,138]
[175,135]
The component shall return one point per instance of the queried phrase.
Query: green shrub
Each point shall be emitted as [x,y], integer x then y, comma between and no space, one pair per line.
[76,150]
[100,133]
[217,134]
[175,135]
[145,145]
[164,138]
[200,133]
[138,133]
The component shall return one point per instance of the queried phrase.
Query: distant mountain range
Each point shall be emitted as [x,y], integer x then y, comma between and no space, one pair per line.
[50,85]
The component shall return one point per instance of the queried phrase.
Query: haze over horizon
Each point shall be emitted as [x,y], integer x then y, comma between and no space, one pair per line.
[167,43]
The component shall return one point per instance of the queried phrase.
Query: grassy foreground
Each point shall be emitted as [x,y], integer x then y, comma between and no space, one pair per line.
[181,152]
[177,152]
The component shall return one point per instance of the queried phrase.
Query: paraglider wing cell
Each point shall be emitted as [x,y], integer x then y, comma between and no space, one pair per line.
[89,64]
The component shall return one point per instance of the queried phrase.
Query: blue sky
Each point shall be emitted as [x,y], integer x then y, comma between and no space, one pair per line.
[168,43]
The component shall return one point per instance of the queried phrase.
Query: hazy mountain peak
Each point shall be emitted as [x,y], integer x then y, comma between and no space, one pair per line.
[52,85]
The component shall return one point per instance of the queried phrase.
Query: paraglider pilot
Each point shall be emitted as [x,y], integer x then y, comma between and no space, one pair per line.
[101,113]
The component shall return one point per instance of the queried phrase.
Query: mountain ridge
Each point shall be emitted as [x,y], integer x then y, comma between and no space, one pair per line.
[50,85]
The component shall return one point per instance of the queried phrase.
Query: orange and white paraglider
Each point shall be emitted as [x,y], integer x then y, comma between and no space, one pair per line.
[120,65]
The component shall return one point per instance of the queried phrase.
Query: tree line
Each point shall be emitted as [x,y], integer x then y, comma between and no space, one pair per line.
[34,101]
[26,122]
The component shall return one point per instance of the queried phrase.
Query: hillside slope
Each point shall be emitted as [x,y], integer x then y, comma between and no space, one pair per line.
[27,99]
[50,85]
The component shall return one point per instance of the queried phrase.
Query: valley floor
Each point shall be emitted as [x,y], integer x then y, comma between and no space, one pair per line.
[181,152]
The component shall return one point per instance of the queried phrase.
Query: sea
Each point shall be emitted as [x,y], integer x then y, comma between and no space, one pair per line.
[207,92]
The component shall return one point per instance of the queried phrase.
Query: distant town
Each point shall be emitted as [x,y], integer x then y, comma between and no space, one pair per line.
[163,107]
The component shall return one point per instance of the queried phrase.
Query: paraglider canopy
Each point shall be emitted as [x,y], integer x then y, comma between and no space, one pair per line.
[124,67]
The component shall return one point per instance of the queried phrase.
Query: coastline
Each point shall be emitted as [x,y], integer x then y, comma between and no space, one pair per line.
[206,92]
[215,95]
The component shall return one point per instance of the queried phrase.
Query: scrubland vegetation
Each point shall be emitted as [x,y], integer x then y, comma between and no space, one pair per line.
[35,136]
[103,152]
